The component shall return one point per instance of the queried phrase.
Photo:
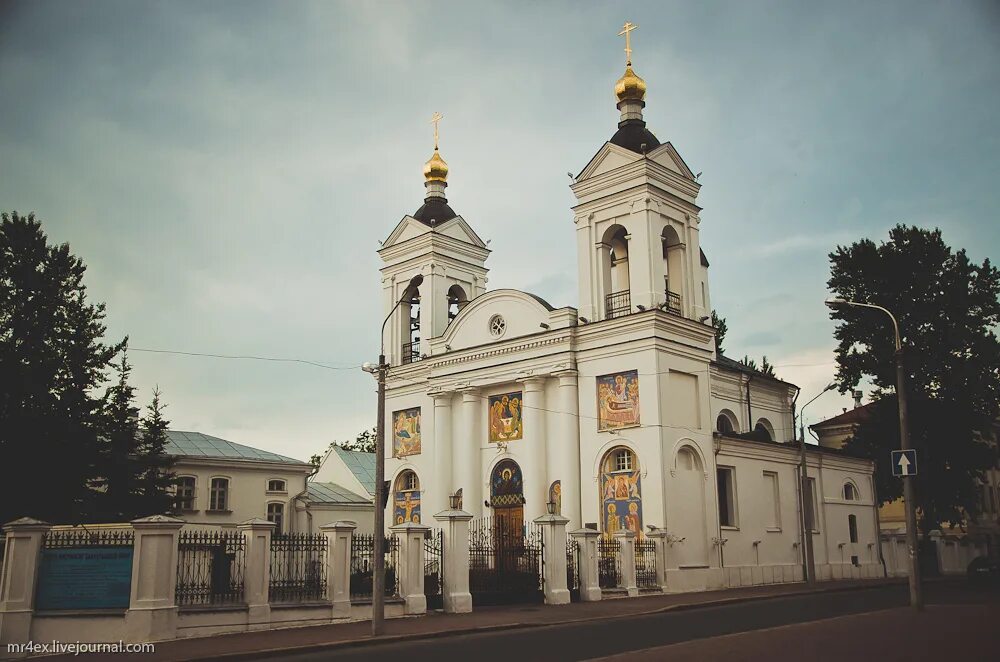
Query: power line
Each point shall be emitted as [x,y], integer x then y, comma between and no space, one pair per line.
[240,356]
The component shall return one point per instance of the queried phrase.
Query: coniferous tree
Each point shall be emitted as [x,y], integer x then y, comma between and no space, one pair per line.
[720,331]
[52,357]
[120,464]
[156,480]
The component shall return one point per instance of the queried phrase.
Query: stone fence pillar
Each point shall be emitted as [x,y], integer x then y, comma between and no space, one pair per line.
[626,551]
[152,608]
[257,571]
[553,528]
[456,596]
[659,538]
[338,568]
[411,566]
[17,581]
[590,585]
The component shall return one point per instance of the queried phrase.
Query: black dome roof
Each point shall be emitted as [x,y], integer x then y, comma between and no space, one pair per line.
[434,211]
[632,134]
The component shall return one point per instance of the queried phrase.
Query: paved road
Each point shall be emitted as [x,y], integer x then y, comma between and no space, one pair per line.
[654,635]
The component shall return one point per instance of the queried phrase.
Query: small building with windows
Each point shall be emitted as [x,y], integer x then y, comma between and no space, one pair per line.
[618,411]
[222,483]
[344,489]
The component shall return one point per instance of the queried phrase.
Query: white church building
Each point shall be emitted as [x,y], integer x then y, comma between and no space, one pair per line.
[620,411]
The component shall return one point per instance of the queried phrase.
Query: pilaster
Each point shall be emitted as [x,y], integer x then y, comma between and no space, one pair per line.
[626,541]
[456,596]
[257,575]
[17,583]
[152,609]
[338,585]
[590,586]
[553,529]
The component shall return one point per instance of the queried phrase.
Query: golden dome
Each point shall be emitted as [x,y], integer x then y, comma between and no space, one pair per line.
[436,170]
[630,86]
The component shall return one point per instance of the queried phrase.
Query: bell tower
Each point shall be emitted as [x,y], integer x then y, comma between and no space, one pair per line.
[637,219]
[433,265]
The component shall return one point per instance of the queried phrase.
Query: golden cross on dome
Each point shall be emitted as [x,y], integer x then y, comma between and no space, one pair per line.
[435,118]
[628,27]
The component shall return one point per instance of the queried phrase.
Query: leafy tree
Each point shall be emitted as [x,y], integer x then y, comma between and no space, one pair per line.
[155,478]
[947,308]
[363,443]
[52,358]
[720,331]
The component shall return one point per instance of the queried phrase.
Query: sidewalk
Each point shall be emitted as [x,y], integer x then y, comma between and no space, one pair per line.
[252,644]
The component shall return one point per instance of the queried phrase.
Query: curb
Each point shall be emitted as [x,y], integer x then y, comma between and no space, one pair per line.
[424,636]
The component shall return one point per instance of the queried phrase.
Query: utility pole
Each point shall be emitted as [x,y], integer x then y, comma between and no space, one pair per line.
[806,522]
[909,498]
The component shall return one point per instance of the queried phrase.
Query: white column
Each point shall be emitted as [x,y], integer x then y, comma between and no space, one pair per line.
[152,610]
[338,569]
[590,585]
[411,566]
[257,572]
[441,483]
[17,583]
[536,489]
[553,529]
[626,551]
[563,460]
[467,469]
[456,596]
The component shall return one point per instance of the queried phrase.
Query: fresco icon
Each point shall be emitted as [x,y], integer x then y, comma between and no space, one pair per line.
[618,400]
[406,432]
[505,417]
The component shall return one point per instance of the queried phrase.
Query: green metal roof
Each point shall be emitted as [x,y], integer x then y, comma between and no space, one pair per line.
[333,493]
[196,444]
[362,465]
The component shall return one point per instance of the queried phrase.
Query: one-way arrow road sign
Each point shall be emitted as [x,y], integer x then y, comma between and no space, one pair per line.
[904,463]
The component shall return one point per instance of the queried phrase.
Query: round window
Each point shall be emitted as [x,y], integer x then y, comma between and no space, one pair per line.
[497,326]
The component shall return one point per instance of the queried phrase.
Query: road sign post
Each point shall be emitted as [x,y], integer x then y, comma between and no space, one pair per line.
[904,463]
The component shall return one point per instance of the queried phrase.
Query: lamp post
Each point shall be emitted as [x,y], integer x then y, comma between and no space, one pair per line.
[916,594]
[378,553]
[806,495]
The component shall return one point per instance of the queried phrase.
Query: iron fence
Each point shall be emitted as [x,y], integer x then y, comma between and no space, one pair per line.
[573,568]
[434,568]
[673,302]
[363,566]
[609,568]
[79,537]
[645,564]
[298,567]
[617,304]
[210,567]
[505,561]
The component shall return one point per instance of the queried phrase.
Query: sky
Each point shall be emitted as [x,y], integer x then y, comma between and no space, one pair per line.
[226,169]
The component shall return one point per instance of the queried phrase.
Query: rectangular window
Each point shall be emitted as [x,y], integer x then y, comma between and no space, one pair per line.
[852,527]
[185,492]
[276,514]
[772,495]
[727,496]
[814,501]
[219,494]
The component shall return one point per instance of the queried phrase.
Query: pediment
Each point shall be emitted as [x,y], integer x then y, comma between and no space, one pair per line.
[609,157]
[668,157]
[410,228]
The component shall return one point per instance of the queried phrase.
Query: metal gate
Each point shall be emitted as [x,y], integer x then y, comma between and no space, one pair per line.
[609,569]
[573,569]
[505,562]
[434,569]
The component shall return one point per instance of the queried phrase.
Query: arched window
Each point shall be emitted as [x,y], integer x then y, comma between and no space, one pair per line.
[850,492]
[764,430]
[457,300]
[276,485]
[406,498]
[621,492]
[218,496]
[687,460]
[673,268]
[726,422]
[410,309]
[852,527]
[276,514]
[614,258]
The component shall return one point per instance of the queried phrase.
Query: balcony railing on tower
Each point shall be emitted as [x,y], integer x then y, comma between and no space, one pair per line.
[673,302]
[617,304]
[411,352]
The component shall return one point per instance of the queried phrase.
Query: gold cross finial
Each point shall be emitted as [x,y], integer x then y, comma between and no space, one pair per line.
[628,27]
[435,118]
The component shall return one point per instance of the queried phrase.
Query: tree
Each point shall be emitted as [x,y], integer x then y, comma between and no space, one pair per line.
[52,358]
[720,331]
[765,368]
[947,308]
[155,478]
[119,465]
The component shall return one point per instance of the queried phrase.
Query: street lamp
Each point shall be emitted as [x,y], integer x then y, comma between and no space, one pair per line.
[916,597]
[378,562]
[806,495]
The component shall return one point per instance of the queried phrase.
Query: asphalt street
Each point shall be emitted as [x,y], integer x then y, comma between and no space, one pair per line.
[652,632]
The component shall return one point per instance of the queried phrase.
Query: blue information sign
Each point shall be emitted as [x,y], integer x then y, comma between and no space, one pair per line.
[84,578]
[904,463]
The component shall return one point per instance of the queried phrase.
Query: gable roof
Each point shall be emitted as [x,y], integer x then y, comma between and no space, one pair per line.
[333,493]
[725,362]
[362,465]
[198,444]
[849,417]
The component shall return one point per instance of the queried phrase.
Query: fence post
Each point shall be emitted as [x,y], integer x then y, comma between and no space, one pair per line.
[411,565]
[659,537]
[455,592]
[338,569]
[590,586]
[257,572]
[626,542]
[554,551]
[152,608]
[17,583]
